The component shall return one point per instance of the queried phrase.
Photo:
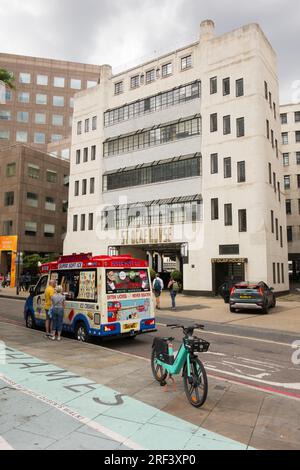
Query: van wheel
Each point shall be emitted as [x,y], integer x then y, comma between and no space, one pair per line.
[81,333]
[30,321]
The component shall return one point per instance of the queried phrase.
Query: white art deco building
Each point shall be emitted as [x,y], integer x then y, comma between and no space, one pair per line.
[180,157]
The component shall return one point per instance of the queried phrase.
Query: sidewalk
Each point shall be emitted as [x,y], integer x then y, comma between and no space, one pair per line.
[99,397]
[11,293]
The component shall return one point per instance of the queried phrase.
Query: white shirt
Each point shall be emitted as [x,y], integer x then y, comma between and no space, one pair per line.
[161,282]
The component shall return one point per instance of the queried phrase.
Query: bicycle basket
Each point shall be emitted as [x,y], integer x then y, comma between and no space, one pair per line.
[195,344]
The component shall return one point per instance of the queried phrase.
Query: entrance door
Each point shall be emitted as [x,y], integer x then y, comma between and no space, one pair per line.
[227,272]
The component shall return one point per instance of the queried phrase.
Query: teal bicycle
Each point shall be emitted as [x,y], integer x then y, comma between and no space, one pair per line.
[164,364]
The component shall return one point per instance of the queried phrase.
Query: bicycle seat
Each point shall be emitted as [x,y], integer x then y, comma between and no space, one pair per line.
[169,339]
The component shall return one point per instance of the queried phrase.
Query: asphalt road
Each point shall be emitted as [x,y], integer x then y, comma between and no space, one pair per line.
[260,359]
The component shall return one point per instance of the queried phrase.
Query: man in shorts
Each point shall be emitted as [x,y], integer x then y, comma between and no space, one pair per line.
[158,286]
[49,292]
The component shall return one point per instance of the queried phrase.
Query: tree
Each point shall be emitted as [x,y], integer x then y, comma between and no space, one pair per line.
[7,78]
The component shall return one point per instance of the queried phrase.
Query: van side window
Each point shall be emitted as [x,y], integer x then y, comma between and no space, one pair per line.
[41,287]
[78,285]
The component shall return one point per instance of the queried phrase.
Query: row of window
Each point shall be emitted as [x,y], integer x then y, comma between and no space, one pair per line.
[84,187]
[86,222]
[38,118]
[227,168]
[33,171]
[273,181]
[226,88]
[287,181]
[284,117]
[153,103]
[49,230]
[240,125]
[268,97]
[270,137]
[277,280]
[166,170]
[32,200]
[228,215]
[146,138]
[276,229]
[286,158]
[87,126]
[59,82]
[38,137]
[85,154]
[152,74]
[40,99]
[289,205]
[286,140]
[181,210]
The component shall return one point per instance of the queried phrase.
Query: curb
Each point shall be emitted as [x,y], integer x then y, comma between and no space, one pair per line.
[12,297]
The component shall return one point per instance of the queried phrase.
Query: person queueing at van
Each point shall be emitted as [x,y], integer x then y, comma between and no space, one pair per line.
[173,287]
[58,308]
[49,292]
[158,287]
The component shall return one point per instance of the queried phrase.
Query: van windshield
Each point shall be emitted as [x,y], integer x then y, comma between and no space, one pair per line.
[119,281]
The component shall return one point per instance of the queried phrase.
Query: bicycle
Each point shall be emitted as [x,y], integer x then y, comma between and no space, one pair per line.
[164,363]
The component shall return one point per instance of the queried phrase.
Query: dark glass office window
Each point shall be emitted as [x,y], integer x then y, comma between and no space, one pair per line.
[268,129]
[214,167]
[240,127]
[297,116]
[92,185]
[229,249]
[287,182]
[266,91]
[77,157]
[281,237]
[277,229]
[213,85]
[283,118]
[282,273]
[214,209]
[239,87]
[76,192]
[298,158]
[289,234]
[286,159]
[242,220]
[226,125]
[84,187]
[226,86]
[82,223]
[213,122]
[91,221]
[9,199]
[241,172]
[274,273]
[227,167]
[272,221]
[297,136]
[270,173]
[288,206]
[85,154]
[228,215]
[93,152]
[75,223]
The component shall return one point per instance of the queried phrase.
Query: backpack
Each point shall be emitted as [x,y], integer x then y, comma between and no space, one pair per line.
[157,285]
[175,286]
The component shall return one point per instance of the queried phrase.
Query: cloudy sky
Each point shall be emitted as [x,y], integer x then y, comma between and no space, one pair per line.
[125,32]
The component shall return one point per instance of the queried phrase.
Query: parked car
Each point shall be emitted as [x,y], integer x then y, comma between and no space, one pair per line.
[257,296]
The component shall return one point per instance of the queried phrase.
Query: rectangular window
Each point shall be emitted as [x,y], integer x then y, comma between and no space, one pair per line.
[32,200]
[287,182]
[279,191]
[6,116]
[274,182]
[272,221]
[239,87]
[59,82]
[272,138]
[75,84]
[270,99]
[9,199]
[274,110]
[39,138]
[228,215]
[40,118]
[274,273]
[278,272]
[268,129]
[285,138]
[213,122]
[166,70]
[23,97]
[93,152]
[75,223]
[241,172]
[79,127]
[78,152]
[298,181]
[270,173]
[58,101]
[11,169]
[213,85]
[76,191]
[56,137]
[33,171]
[290,234]
[4,135]
[186,62]
[226,125]
[92,185]
[94,123]
[51,176]
[91,221]
[85,154]
[286,159]
[118,88]
[297,136]
[281,237]
[41,99]
[86,125]
[242,220]
[266,91]
[298,158]
[214,209]
[214,163]
[57,120]
[50,204]
[240,127]
[226,86]
[49,230]
[30,229]
[42,80]
[277,229]
[283,118]
[297,116]
[288,206]
[135,81]
[298,206]
[282,273]
[150,76]
[25,78]
[82,223]
[227,167]
[7,227]
[21,136]
[84,187]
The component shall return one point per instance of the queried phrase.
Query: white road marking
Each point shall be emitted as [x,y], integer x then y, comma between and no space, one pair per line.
[242,365]
[5,445]
[266,364]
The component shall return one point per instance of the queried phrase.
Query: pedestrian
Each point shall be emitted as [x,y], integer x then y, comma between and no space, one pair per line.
[173,287]
[22,282]
[27,281]
[158,287]
[49,292]
[7,280]
[58,308]
[1,280]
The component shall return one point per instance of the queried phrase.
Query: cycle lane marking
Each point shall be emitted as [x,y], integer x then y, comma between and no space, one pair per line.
[131,423]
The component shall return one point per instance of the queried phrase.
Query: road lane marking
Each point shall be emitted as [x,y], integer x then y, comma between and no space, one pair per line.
[5,445]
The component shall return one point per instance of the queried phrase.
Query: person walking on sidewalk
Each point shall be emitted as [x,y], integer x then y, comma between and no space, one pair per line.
[158,286]
[173,287]
[58,308]
[49,292]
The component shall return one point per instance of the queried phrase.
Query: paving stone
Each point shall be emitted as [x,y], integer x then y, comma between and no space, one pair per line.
[81,441]
[22,440]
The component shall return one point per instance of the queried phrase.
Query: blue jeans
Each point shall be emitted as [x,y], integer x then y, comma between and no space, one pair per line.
[173,297]
[57,319]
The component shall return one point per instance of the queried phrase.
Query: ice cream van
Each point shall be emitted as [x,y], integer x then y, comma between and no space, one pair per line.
[105,296]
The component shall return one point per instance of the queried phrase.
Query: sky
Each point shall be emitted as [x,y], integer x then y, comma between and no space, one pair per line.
[123,33]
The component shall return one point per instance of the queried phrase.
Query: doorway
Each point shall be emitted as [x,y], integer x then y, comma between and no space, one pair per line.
[227,272]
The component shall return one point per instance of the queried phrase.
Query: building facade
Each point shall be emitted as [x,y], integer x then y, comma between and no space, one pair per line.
[39,111]
[33,201]
[180,157]
[290,126]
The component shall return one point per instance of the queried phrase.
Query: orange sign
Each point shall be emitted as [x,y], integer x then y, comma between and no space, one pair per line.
[10,244]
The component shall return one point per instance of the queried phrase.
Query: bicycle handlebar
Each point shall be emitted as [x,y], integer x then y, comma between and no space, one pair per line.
[187,328]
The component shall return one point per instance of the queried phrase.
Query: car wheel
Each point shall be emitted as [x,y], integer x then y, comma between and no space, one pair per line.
[274,303]
[30,321]
[265,309]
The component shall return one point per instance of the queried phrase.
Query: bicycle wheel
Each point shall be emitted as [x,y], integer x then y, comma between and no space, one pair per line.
[159,373]
[195,386]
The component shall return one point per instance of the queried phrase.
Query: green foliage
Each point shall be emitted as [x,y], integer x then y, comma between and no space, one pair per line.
[31,262]
[152,274]
[7,78]
[176,276]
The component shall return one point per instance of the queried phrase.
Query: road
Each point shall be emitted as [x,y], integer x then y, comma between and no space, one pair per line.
[261,359]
